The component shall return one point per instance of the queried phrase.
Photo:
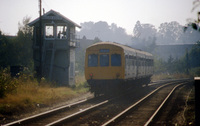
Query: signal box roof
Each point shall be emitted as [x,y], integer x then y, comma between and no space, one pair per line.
[54,16]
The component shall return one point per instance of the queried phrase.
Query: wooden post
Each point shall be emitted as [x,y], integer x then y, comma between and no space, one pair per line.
[40,39]
[197,100]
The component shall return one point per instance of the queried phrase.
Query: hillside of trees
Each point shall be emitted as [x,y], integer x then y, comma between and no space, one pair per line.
[17,50]
[167,33]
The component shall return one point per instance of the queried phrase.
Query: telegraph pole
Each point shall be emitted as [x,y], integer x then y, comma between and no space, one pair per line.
[40,40]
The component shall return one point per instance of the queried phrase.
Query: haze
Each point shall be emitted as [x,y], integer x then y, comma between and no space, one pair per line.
[124,13]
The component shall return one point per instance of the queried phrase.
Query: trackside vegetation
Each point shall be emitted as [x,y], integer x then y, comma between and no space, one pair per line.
[24,93]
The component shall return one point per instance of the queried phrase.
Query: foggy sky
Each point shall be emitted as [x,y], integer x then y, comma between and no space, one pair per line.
[124,13]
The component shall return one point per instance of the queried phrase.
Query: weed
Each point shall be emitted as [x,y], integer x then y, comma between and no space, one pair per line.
[27,94]
[7,84]
[163,76]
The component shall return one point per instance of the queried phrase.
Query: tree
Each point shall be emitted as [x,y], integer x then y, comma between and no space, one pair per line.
[24,43]
[194,57]
[24,27]
[194,23]
[151,47]
[169,32]
[17,50]
[190,35]
[144,31]
[192,29]
[104,32]
[144,37]
[5,49]
[96,39]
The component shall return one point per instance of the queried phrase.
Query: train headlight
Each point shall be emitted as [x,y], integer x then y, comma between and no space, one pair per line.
[91,75]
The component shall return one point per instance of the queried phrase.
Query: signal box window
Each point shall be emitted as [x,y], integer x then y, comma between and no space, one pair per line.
[61,32]
[115,60]
[104,60]
[92,60]
[49,31]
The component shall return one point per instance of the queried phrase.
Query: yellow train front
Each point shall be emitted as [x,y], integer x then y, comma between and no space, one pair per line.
[110,67]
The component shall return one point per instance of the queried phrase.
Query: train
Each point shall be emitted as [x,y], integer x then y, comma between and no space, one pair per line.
[111,67]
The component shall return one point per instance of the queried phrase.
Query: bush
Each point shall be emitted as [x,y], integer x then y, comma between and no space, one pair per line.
[7,83]
[195,71]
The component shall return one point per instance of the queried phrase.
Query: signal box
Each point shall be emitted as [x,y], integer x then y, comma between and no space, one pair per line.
[59,41]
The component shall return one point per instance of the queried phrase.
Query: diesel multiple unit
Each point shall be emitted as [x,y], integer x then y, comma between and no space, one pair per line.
[111,66]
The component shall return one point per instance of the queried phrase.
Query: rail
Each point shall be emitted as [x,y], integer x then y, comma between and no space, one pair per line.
[21,121]
[117,117]
[161,105]
[75,114]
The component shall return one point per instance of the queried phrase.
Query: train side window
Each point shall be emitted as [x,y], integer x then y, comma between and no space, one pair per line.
[104,60]
[92,60]
[115,60]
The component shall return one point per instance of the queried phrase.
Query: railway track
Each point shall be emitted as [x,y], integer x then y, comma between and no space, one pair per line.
[145,110]
[54,114]
[90,112]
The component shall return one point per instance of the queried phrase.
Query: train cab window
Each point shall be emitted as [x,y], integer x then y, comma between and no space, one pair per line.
[115,60]
[104,60]
[92,60]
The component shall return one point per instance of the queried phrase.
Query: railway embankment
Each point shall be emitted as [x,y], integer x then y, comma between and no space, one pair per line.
[24,96]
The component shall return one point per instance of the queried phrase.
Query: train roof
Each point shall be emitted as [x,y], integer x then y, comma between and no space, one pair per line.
[125,47]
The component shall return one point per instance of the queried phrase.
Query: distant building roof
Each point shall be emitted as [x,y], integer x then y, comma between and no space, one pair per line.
[58,16]
[173,44]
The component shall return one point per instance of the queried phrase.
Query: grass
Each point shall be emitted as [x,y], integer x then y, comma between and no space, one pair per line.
[190,111]
[169,76]
[30,95]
